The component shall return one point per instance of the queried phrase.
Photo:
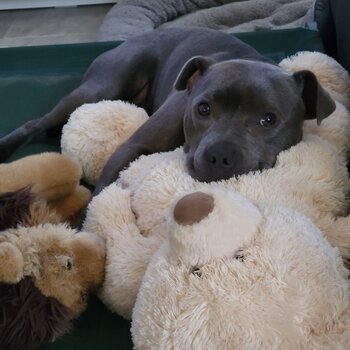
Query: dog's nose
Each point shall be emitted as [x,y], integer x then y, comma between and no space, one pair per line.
[221,155]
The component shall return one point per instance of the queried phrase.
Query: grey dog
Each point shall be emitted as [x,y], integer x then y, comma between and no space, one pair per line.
[233,109]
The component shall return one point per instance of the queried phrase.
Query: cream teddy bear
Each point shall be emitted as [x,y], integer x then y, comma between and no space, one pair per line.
[233,275]
[311,177]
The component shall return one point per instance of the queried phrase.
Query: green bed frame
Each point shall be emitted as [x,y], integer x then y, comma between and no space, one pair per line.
[33,79]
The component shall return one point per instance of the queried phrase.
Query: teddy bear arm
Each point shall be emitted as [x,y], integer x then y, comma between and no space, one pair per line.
[11,270]
[127,261]
[110,213]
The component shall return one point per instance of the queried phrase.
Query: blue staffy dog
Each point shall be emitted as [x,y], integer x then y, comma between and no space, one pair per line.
[233,109]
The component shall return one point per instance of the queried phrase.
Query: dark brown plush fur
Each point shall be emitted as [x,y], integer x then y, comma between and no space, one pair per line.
[28,319]
[15,207]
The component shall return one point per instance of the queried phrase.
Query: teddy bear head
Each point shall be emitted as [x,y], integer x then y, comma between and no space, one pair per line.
[232,274]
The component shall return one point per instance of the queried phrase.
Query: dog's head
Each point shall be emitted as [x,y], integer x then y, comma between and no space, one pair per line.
[241,114]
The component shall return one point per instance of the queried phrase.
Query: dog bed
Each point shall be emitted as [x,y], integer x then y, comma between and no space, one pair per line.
[32,79]
[131,17]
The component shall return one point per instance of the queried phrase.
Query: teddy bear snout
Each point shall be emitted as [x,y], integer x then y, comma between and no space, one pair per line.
[193,208]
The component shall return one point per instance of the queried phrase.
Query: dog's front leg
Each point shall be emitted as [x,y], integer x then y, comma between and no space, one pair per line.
[110,77]
[163,131]
[58,116]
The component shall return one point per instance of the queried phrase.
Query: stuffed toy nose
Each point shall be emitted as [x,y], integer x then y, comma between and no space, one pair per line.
[193,208]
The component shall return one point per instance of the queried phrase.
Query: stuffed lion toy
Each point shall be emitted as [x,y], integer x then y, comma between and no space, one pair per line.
[47,269]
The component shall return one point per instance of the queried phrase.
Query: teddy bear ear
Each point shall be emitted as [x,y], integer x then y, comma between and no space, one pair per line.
[193,208]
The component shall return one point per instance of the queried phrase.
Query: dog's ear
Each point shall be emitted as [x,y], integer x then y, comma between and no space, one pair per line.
[318,103]
[191,72]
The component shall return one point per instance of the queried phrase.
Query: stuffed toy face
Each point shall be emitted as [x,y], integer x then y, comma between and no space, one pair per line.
[233,276]
[59,267]
[71,265]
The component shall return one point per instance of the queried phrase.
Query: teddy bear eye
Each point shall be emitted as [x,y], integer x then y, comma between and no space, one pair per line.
[239,256]
[195,270]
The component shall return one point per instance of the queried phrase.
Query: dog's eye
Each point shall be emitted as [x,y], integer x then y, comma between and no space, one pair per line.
[195,270]
[267,120]
[204,109]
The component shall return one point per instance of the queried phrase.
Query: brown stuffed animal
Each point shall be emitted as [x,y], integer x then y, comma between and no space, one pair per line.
[46,268]
[52,176]
[46,271]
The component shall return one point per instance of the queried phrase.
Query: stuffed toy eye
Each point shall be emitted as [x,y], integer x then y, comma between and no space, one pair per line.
[239,256]
[66,261]
[69,265]
[195,270]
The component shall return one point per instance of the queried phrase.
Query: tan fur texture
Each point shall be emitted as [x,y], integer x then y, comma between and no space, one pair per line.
[68,206]
[41,213]
[310,178]
[54,179]
[51,175]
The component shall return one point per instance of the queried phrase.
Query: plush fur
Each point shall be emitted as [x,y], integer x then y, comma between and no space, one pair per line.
[311,178]
[91,143]
[227,282]
[23,207]
[49,271]
[62,261]
[56,186]
[14,207]
[28,319]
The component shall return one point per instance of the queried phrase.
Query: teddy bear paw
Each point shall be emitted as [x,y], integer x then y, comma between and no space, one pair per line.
[110,213]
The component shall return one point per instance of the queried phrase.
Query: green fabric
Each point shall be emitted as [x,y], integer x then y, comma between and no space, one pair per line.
[32,79]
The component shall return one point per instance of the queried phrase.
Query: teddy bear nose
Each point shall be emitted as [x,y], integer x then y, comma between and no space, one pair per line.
[193,208]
